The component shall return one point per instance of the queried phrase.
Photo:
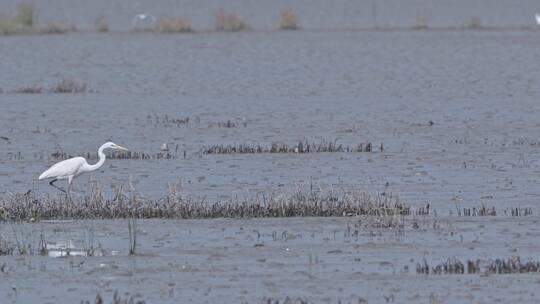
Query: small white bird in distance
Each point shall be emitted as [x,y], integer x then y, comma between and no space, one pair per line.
[537,15]
[143,21]
[164,147]
[70,168]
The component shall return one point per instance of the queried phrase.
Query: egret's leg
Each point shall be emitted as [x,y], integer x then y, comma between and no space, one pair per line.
[71,188]
[52,184]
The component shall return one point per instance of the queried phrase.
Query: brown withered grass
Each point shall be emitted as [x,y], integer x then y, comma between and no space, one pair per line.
[173,25]
[229,22]
[175,204]
[289,20]
[101,24]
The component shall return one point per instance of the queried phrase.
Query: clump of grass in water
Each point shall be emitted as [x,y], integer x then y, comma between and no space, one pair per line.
[289,20]
[301,147]
[5,247]
[25,14]
[493,266]
[69,86]
[101,24]
[299,202]
[24,242]
[229,22]
[22,23]
[31,89]
[132,228]
[167,121]
[131,155]
[420,23]
[474,23]
[173,25]
[57,27]
[484,210]
[117,299]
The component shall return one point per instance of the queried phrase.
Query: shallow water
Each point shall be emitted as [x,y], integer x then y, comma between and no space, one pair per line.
[456,112]
[478,89]
[320,260]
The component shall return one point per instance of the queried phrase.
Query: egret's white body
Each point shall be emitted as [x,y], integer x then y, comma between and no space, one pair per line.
[142,17]
[143,21]
[537,15]
[70,168]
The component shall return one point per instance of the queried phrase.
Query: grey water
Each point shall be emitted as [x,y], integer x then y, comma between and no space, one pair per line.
[455,110]
[477,88]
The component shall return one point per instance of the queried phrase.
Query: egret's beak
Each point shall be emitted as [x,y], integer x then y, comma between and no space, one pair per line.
[120,148]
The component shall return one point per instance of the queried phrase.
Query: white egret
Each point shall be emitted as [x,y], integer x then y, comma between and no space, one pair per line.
[70,168]
[537,15]
[143,22]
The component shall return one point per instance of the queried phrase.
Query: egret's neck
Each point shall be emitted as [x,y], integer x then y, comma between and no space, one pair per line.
[100,162]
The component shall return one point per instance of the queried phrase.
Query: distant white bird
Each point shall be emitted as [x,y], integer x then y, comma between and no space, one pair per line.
[70,168]
[143,21]
[164,147]
[537,15]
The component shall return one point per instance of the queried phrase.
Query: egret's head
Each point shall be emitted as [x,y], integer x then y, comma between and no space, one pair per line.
[114,146]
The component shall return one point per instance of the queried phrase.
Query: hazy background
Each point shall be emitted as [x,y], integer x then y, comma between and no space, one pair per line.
[314,14]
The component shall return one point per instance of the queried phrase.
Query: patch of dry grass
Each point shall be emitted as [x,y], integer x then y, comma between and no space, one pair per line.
[31,89]
[496,266]
[101,24]
[300,148]
[69,86]
[304,201]
[420,23]
[289,20]
[22,23]
[474,23]
[26,14]
[229,22]
[57,27]
[173,25]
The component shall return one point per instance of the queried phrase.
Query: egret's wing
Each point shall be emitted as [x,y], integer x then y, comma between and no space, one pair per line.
[64,168]
[135,19]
